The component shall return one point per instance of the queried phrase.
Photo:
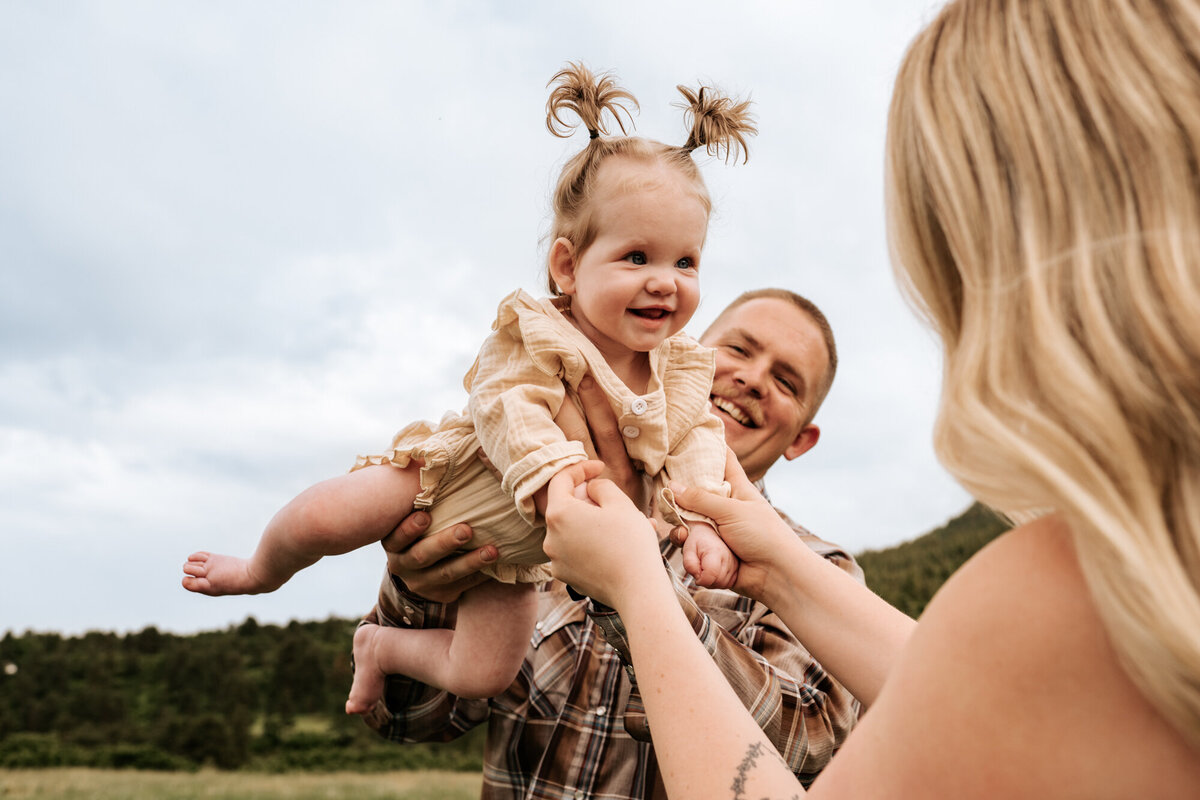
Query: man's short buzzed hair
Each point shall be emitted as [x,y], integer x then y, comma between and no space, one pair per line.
[814,313]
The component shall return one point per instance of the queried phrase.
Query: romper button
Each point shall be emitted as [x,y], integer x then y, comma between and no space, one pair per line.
[630,432]
[579,794]
[638,406]
[600,712]
[539,626]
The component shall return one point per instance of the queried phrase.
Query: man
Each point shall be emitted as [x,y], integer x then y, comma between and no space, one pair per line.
[571,725]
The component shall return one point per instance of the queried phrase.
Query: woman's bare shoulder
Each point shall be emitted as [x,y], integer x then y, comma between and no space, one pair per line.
[1009,687]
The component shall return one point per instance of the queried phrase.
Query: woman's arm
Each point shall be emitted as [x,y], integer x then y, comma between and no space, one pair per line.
[850,630]
[594,526]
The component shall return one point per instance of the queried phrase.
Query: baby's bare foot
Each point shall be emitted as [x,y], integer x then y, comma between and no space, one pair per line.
[215,574]
[367,685]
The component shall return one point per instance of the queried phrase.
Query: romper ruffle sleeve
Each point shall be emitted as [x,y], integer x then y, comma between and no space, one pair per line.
[696,451]
[516,389]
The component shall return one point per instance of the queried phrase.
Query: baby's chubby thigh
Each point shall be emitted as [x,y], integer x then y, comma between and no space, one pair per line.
[473,495]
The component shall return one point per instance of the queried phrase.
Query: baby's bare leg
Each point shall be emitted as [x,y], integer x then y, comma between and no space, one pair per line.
[478,659]
[330,518]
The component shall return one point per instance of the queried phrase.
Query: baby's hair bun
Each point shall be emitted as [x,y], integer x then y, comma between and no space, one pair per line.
[588,95]
[717,122]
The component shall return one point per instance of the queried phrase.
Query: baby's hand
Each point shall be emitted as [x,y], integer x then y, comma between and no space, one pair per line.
[708,558]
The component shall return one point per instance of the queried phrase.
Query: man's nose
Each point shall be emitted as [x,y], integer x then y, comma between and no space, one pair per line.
[753,376]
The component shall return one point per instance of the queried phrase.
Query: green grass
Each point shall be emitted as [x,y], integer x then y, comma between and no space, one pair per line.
[94,784]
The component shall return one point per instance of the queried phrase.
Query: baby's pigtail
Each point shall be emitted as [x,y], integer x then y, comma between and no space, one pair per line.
[717,122]
[588,95]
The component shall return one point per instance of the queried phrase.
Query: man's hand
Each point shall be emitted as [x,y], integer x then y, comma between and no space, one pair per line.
[433,567]
[597,429]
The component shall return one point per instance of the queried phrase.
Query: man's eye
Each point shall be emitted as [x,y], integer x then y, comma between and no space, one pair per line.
[741,351]
[787,385]
[637,257]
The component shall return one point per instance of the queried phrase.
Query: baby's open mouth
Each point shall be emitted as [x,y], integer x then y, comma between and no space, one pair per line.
[649,313]
[729,408]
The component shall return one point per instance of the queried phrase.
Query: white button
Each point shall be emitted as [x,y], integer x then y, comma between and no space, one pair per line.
[638,406]
[601,711]
[630,432]
[539,626]
[579,794]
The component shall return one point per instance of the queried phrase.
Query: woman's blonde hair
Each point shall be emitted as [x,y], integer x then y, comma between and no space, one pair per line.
[1044,207]
[717,123]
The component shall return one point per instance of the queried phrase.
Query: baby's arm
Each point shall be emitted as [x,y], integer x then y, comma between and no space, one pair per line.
[513,403]
[698,459]
[330,518]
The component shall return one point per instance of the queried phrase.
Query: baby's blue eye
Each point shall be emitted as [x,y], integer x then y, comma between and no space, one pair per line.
[684,263]
[637,258]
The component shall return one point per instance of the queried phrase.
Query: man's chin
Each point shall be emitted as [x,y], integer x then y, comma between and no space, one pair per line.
[737,436]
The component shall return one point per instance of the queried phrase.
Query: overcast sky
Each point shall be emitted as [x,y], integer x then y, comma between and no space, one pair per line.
[243,242]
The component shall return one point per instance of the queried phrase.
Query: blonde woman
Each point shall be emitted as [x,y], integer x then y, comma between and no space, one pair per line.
[1044,204]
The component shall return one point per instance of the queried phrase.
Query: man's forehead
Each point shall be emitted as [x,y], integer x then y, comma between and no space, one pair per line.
[767,319]
[787,332]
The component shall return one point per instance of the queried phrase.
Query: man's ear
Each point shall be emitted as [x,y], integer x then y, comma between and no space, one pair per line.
[562,265]
[805,441]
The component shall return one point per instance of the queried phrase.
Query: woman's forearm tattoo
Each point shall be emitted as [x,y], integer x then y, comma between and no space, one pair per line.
[749,761]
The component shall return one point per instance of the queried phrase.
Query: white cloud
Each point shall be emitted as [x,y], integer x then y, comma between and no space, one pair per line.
[245,242]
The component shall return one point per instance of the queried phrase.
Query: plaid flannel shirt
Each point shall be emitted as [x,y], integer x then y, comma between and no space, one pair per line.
[572,725]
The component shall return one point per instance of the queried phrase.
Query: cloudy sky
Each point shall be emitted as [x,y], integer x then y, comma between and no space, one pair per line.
[242,242]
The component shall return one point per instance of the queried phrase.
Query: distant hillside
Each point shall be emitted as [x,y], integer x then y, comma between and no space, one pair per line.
[263,697]
[270,698]
[909,574]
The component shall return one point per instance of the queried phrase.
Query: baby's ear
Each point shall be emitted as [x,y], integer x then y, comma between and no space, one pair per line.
[562,265]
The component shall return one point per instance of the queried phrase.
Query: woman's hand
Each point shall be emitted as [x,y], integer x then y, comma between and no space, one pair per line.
[597,540]
[749,525]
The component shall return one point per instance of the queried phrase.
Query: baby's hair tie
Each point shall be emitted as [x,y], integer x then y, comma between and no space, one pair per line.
[593,133]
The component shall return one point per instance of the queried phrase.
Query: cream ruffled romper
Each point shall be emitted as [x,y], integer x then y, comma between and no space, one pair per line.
[517,385]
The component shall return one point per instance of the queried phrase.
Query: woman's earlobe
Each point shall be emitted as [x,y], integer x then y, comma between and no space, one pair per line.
[562,265]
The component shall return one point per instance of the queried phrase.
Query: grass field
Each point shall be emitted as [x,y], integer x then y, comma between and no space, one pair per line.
[96,784]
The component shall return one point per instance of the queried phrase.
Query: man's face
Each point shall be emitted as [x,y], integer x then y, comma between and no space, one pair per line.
[770,362]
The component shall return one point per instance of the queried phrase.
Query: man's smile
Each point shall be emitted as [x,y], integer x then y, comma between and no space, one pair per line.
[734,411]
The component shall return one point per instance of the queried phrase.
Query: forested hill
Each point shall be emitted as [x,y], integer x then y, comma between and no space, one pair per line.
[270,697]
[908,574]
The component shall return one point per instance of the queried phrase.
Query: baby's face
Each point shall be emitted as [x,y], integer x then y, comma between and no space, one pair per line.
[639,281]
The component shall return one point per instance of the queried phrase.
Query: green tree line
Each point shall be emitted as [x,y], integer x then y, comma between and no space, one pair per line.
[262,697]
[270,697]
